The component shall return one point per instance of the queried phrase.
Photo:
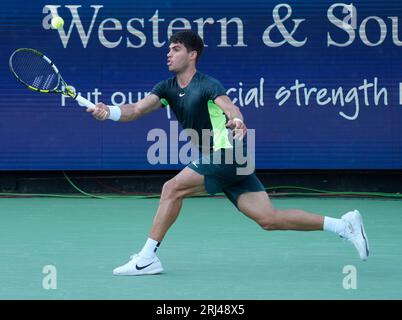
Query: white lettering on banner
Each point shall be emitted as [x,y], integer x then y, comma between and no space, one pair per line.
[101,34]
[155,30]
[113,28]
[224,23]
[304,95]
[350,28]
[342,24]
[140,35]
[75,22]
[253,95]
[351,99]
[400,93]
[287,36]
[172,29]
[200,27]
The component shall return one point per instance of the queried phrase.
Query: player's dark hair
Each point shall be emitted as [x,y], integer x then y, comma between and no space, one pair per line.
[190,39]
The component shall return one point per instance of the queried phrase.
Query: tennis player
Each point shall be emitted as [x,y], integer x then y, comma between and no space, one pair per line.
[200,102]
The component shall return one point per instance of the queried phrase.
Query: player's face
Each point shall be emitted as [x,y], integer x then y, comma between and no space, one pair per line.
[178,58]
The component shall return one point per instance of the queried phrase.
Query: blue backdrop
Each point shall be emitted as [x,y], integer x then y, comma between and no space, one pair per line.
[319,81]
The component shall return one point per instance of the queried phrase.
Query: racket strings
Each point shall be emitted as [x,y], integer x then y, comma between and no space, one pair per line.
[34,70]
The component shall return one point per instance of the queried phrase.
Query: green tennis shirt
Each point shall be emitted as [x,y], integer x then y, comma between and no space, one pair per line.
[195,109]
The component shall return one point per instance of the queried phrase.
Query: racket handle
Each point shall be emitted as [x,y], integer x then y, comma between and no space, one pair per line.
[85,102]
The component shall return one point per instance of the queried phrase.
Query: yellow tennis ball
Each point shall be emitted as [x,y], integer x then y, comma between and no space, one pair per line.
[57,22]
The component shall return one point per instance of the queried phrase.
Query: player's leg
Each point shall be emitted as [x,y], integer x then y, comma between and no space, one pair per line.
[257,206]
[187,182]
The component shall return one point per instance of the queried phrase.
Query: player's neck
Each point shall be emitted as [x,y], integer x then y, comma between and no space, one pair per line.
[184,77]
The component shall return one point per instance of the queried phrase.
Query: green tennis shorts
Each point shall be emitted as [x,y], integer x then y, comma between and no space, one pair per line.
[224,176]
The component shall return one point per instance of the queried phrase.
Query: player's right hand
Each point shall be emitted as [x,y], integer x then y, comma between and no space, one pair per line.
[101,111]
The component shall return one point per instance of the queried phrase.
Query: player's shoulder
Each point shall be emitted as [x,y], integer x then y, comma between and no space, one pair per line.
[207,78]
[165,85]
[168,81]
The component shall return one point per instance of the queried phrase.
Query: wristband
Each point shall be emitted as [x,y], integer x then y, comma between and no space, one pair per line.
[114,113]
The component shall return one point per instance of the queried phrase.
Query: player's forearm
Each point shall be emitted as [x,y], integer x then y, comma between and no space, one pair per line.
[234,113]
[129,112]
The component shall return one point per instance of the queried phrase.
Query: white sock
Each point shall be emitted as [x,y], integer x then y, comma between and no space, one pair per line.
[334,225]
[149,249]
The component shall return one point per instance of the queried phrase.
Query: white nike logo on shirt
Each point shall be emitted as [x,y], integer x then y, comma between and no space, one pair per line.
[181,94]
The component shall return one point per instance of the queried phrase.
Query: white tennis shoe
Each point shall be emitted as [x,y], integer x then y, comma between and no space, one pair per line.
[355,233]
[139,266]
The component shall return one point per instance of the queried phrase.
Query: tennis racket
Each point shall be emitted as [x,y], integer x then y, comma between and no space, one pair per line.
[36,71]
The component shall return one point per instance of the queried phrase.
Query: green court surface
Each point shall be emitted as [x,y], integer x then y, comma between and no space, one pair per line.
[212,252]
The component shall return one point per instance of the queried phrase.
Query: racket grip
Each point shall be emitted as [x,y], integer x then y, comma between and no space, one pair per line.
[85,102]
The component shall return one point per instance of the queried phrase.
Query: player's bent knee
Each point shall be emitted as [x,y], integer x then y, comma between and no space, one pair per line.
[170,190]
[269,220]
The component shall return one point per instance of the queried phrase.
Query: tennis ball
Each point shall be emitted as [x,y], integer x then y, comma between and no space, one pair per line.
[57,22]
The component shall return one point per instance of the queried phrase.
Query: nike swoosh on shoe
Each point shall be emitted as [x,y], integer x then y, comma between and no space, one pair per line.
[143,267]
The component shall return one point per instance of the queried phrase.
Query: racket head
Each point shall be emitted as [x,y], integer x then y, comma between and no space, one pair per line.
[36,71]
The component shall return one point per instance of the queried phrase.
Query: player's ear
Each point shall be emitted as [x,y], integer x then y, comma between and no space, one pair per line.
[193,55]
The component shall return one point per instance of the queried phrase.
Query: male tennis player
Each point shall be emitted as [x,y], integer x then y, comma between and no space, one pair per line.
[200,102]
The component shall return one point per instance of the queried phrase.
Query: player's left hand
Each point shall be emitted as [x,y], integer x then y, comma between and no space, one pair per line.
[239,128]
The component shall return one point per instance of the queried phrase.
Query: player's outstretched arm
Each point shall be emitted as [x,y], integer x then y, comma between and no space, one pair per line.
[126,112]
